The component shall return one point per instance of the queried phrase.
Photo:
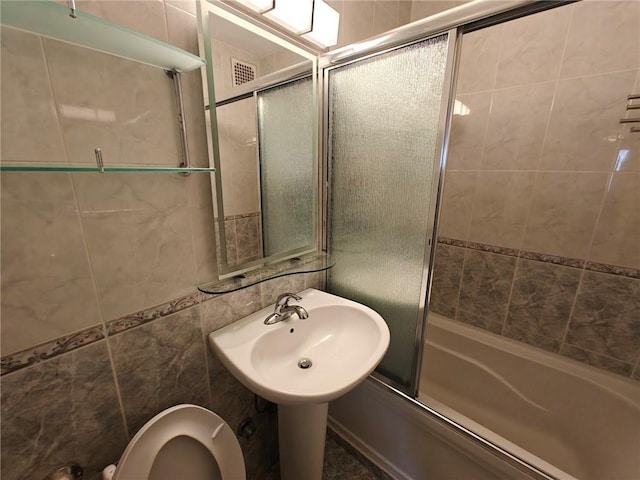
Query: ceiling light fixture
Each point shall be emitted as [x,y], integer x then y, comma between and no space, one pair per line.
[326,22]
[295,15]
[260,6]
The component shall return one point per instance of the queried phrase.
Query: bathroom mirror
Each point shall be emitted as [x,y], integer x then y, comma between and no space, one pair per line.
[260,91]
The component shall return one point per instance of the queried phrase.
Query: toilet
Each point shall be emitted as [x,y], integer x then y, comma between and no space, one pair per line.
[182,442]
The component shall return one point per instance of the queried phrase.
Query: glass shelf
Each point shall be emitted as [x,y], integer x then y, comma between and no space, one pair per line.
[87,168]
[317,262]
[46,18]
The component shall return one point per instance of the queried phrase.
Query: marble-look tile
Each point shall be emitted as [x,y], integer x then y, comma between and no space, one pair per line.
[43,258]
[146,17]
[248,239]
[447,273]
[223,310]
[125,108]
[542,298]
[422,9]
[595,360]
[356,22]
[533,339]
[636,372]
[605,319]
[501,203]
[468,131]
[62,410]
[287,284]
[188,6]
[457,204]
[404,12]
[479,60]
[159,365]
[182,28]
[480,320]
[563,214]
[516,128]
[441,309]
[617,235]
[204,244]
[612,40]
[383,19]
[534,49]
[154,256]
[486,283]
[30,128]
[613,269]
[583,128]
[230,241]
[556,260]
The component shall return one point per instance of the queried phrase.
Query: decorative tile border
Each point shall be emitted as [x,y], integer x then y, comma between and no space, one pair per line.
[133,320]
[241,215]
[26,358]
[543,257]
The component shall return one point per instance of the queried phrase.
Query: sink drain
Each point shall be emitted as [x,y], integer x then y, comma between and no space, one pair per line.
[305,363]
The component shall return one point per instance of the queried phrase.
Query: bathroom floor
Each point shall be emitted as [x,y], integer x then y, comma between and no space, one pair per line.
[343,462]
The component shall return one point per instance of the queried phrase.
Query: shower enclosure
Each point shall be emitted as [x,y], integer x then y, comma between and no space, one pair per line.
[513,134]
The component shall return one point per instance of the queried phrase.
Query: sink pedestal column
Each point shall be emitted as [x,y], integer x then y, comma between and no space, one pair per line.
[302,430]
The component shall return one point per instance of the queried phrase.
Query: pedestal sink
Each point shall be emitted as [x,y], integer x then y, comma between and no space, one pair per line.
[302,365]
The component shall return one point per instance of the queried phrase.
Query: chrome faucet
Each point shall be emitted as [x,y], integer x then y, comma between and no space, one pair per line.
[283,310]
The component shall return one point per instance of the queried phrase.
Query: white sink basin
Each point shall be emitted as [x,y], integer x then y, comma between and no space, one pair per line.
[343,340]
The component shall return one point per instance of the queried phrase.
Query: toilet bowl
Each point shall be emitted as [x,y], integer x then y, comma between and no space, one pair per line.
[185,441]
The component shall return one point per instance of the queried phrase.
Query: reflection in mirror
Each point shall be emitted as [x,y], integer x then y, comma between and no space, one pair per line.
[263,140]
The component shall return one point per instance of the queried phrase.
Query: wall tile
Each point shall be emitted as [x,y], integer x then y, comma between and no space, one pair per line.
[479,60]
[223,310]
[484,292]
[617,236]
[600,361]
[447,273]
[159,365]
[30,128]
[542,298]
[248,239]
[457,204]
[404,12]
[231,241]
[534,50]
[608,47]
[583,127]
[516,127]
[501,202]
[132,124]
[468,131]
[533,339]
[605,317]
[421,9]
[188,6]
[62,410]
[146,17]
[384,17]
[43,258]
[151,242]
[563,213]
[356,21]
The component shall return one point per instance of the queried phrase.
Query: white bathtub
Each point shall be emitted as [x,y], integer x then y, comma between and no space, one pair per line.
[568,419]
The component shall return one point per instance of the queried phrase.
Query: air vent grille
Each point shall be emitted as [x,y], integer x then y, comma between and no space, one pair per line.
[242,72]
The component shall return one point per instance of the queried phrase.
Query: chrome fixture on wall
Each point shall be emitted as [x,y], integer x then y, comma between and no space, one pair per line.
[632,106]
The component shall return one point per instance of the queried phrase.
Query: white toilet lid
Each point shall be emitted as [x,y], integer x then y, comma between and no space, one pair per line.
[191,421]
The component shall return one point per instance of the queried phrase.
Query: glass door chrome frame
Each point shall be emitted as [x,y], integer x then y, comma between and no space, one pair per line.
[456,21]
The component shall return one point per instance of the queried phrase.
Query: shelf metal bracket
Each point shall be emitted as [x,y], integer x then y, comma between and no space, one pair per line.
[177,87]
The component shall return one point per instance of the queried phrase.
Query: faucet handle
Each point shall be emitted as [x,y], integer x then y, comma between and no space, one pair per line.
[283,299]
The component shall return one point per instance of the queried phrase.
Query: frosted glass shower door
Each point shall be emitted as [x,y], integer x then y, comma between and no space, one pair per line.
[287,117]
[384,155]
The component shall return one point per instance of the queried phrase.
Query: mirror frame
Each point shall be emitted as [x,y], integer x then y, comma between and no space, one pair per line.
[266,82]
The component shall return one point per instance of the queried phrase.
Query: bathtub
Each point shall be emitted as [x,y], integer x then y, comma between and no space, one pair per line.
[569,420]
